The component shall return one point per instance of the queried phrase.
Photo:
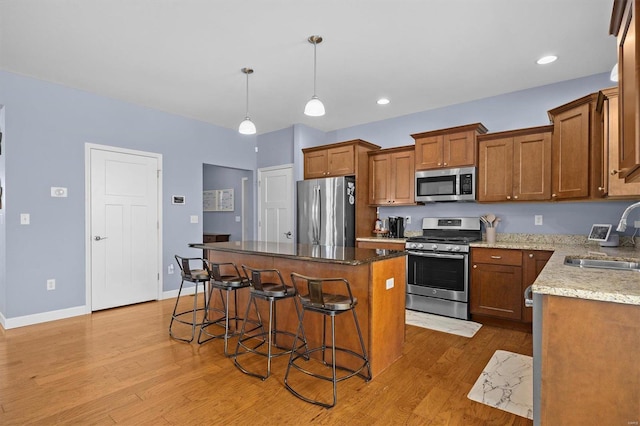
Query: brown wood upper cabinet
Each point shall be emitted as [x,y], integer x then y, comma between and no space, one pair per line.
[576,171]
[392,176]
[615,186]
[342,159]
[447,148]
[623,25]
[515,165]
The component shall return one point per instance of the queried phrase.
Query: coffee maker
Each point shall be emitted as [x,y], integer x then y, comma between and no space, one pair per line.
[396,227]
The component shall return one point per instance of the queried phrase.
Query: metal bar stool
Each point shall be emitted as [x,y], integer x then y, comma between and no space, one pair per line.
[225,277]
[266,284]
[314,299]
[197,277]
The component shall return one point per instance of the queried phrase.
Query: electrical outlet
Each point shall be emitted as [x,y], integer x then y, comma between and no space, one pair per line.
[57,191]
[390,283]
[170,269]
[25,219]
[407,220]
[537,220]
[194,219]
[51,284]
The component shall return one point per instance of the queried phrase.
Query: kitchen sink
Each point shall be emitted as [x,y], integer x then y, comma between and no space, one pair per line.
[582,262]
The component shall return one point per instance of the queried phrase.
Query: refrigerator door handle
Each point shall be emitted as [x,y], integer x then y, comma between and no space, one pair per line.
[315,221]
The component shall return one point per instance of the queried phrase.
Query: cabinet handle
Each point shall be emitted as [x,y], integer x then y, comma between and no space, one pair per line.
[445,164]
[496,257]
[475,266]
[439,164]
[601,188]
[530,255]
[508,197]
[614,172]
[515,197]
[554,195]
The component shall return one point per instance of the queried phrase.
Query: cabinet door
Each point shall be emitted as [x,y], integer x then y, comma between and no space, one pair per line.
[496,290]
[315,164]
[429,152]
[615,185]
[403,177]
[532,167]
[532,264]
[341,161]
[570,146]
[629,99]
[459,149]
[379,178]
[495,166]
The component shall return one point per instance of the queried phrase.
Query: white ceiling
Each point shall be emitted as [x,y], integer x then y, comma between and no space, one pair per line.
[185,56]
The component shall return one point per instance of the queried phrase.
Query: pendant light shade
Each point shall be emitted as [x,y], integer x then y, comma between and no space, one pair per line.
[247,127]
[314,107]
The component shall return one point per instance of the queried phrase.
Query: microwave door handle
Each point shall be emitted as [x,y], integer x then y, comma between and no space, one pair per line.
[438,255]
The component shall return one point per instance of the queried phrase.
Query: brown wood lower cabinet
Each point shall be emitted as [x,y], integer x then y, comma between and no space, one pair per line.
[498,280]
[382,244]
[590,373]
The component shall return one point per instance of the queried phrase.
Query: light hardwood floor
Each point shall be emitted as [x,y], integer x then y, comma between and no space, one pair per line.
[120,367]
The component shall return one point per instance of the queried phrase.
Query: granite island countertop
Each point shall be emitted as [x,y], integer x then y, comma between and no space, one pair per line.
[558,279]
[316,253]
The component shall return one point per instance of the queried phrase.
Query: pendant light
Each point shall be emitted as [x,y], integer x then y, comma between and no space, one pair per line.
[247,127]
[314,107]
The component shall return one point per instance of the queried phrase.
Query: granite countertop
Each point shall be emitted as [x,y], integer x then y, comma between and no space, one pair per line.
[328,254]
[559,279]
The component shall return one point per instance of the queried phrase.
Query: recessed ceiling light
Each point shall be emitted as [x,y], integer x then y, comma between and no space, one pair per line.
[383,101]
[546,60]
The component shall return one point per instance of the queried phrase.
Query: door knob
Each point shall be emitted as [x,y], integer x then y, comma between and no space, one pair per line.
[288,234]
[98,238]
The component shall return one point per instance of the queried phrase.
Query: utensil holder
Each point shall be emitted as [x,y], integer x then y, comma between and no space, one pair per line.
[491,235]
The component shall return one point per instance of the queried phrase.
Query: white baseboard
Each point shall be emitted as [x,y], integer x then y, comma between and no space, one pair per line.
[8,323]
[69,312]
[172,294]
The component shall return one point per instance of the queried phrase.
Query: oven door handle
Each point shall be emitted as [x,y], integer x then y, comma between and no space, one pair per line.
[438,255]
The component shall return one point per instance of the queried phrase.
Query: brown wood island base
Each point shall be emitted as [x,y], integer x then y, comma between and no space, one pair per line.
[380,309]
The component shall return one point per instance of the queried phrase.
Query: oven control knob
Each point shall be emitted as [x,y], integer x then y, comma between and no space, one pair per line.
[434,247]
[447,248]
[419,246]
[456,248]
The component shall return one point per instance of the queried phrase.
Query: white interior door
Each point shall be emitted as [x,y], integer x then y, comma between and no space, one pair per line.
[124,228]
[276,204]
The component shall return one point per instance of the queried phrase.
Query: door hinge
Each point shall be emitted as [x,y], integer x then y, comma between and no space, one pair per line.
[158,276]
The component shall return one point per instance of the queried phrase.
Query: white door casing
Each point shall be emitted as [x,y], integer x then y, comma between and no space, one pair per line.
[123,227]
[275,204]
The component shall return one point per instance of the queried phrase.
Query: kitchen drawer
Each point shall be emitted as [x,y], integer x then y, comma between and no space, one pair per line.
[496,256]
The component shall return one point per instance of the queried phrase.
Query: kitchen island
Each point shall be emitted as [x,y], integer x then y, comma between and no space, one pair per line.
[377,279]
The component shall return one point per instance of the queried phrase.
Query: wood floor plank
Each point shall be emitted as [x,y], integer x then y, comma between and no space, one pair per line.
[120,366]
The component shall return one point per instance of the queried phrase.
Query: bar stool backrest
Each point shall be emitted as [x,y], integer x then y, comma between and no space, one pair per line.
[188,272]
[261,278]
[314,290]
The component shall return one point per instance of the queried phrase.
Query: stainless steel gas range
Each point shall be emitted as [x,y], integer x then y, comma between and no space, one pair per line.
[438,266]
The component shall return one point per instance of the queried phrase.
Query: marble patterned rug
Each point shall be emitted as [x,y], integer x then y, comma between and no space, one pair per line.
[440,323]
[506,383]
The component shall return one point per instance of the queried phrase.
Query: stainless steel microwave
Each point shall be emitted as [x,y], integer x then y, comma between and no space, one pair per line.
[446,185]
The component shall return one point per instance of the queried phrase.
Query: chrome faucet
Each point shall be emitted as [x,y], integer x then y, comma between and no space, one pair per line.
[623,220]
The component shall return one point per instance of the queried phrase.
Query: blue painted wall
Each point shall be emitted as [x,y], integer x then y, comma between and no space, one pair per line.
[47,126]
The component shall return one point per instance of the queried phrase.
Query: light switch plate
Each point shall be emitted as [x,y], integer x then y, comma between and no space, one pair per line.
[25,218]
[194,219]
[537,220]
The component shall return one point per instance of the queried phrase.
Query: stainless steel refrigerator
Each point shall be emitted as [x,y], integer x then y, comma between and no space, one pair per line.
[327,211]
